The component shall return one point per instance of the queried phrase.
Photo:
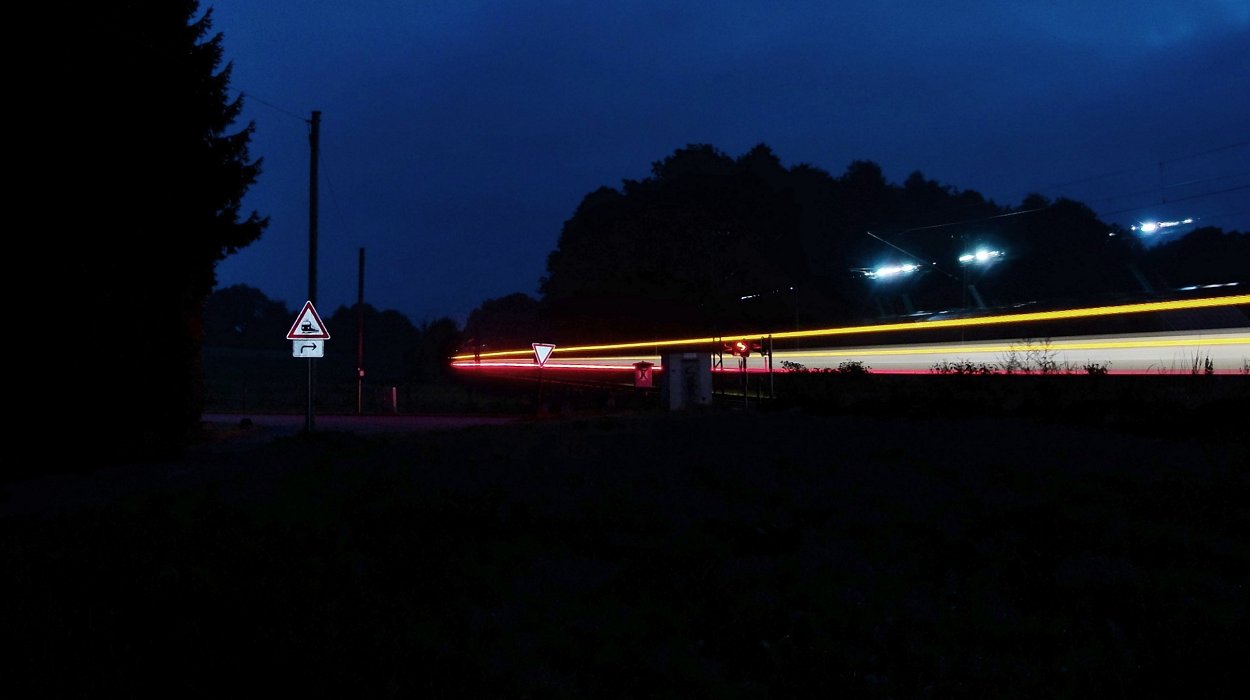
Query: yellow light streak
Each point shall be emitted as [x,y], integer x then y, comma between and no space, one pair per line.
[1088,312]
[1055,347]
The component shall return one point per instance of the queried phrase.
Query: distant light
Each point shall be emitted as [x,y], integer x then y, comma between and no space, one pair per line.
[1155,226]
[894,270]
[981,256]
[1192,287]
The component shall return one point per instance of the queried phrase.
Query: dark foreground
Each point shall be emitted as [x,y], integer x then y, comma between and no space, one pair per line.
[717,555]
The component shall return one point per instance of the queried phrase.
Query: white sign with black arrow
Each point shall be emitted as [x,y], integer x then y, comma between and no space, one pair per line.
[308,348]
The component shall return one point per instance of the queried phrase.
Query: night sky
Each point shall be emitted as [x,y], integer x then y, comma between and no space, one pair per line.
[457,136]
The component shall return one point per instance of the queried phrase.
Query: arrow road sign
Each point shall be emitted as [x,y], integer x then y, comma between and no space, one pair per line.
[308,348]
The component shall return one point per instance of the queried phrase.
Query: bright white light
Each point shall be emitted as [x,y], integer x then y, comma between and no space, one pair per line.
[892,270]
[981,256]
[1155,226]
[1208,286]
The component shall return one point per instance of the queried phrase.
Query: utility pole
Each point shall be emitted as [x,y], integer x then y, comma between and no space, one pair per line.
[314,136]
[360,332]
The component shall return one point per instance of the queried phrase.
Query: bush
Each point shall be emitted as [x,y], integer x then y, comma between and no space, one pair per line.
[962,367]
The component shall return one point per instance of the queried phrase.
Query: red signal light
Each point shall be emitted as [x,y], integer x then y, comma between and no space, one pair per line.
[743,348]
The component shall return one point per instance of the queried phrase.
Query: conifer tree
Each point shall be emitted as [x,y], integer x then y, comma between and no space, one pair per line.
[146,171]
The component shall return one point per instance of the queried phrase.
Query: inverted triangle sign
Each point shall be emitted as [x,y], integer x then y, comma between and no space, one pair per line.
[542,351]
[308,325]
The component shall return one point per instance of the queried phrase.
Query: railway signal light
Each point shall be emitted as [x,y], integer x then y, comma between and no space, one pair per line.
[743,348]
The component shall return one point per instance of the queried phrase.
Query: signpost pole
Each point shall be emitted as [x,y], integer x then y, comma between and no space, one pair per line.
[308,414]
[309,334]
[540,390]
[541,352]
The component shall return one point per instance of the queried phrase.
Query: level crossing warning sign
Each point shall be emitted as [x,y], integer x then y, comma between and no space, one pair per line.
[308,325]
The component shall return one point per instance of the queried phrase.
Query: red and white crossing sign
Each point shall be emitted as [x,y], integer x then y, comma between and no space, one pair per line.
[542,351]
[308,325]
[643,374]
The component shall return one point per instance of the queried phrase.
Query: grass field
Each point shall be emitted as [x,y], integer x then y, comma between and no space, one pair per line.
[718,554]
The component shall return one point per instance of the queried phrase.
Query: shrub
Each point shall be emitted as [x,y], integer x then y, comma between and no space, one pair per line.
[1032,356]
[1202,365]
[962,367]
[852,367]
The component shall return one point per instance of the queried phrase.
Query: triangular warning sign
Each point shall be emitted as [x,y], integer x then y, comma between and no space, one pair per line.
[308,325]
[542,351]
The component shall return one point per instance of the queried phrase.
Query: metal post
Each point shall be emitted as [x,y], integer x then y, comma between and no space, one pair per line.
[771,383]
[540,389]
[313,139]
[360,333]
[742,367]
[308,411]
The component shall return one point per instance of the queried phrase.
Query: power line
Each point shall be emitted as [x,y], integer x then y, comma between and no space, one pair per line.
[913,257]
[1104,199]
[1164,199]
[1203,153]
[1205,179]
[1135,169]
[250,97]
[970,221]
[1178,199]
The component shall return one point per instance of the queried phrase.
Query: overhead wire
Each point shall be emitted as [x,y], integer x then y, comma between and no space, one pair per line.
[1104,199]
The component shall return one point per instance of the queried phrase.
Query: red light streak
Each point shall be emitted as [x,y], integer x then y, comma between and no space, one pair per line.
[1088,312]
[580,366]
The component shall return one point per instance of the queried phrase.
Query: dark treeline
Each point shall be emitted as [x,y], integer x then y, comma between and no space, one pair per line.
[394,350]
[141,171]
[676,253]
[709,244]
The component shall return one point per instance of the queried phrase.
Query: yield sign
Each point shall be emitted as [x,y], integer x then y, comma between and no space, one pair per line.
[542,351]
[308,325]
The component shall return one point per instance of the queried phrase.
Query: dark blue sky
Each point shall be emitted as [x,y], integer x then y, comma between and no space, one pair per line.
[457,136]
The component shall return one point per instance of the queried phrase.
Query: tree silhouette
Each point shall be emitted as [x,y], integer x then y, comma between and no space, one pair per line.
[676,252]
[709,244]
[390,341]
[149,174]
[508,322]
[439,340]
[241,316]
[1206,255]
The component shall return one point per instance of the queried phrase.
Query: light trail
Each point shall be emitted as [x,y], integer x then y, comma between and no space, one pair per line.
[1001,319]
[1227,350]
